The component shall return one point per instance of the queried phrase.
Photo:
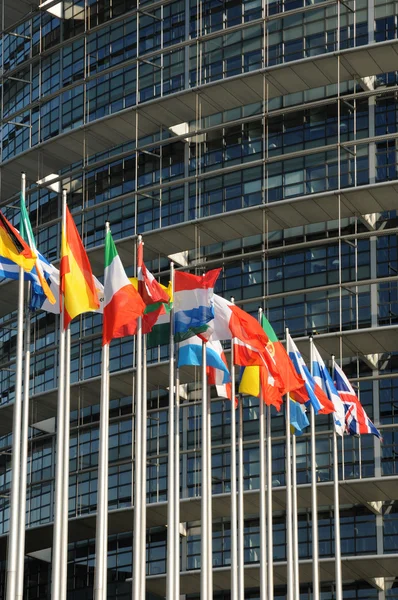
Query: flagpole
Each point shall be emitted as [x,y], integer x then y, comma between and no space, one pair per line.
[24,444]
[137,541]
[295,521]
[24,457]
[234,528]
[209,497]
[336,496]
[177,487]
[143,468]
[13,538]
[314,500]
[101,535]
[170,583]
[289,528]
[241,521]
[263,499]
[270,574]
[100,580]
[204,573]
[65,481]
[60,443]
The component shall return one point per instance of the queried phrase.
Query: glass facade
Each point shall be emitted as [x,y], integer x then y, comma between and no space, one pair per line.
[281,115]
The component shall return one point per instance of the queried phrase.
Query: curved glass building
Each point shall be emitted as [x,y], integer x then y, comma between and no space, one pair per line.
[260,136]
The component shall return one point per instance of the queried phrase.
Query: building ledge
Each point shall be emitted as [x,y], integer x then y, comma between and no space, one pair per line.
[352,492]
[168,111]
[245,222]
[353,568]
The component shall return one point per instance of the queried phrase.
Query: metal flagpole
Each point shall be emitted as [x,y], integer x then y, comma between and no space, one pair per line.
[170,583]
[24,444]
[204,574]
[270,564]
[13,539]
[336,495]
[314,501]
[100,582]
[241,519]
[60,444]
[101,535]
[177,487]
[143,468]
[24,457]
[65,481]
[263,500]
[289,528]
[137,545]
[209,498]
[295,521]
[234,528]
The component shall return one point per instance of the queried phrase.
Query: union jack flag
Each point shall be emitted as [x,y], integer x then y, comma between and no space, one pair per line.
[356,419]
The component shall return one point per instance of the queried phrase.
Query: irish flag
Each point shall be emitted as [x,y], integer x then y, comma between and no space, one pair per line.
[122,303]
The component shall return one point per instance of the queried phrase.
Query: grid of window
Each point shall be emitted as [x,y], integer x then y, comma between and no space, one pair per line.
[253,155]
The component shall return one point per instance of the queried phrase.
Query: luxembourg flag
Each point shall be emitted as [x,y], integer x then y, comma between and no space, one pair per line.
[324,380]
[221,379]
[193,302]
[190,354]
[311,392]
[357,421]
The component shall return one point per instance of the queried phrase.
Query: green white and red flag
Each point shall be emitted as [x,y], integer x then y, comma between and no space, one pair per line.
[123,305]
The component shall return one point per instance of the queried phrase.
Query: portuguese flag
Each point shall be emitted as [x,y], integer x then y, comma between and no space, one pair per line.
[259,381]
[122,303]
[288,379]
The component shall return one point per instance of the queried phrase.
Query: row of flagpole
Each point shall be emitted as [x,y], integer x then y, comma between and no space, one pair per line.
[15,559]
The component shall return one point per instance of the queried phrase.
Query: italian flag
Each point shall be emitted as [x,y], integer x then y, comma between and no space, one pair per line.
[122,303]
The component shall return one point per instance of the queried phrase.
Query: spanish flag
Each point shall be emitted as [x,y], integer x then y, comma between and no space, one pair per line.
[77,282]
[13,247]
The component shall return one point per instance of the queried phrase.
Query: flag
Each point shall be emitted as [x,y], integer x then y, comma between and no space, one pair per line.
[77,283]
[230,321]
[40,302]
[193,302]
[39,299]
[13,247]
[150,290]
[288,379]
[154,312]
[311,391]
[10,270]
[249,339]
[219,378]
[258,382]
[123,305]
[27,234]
[357,421]
[323,379]
[156,318]
[298,417]
[190,353]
